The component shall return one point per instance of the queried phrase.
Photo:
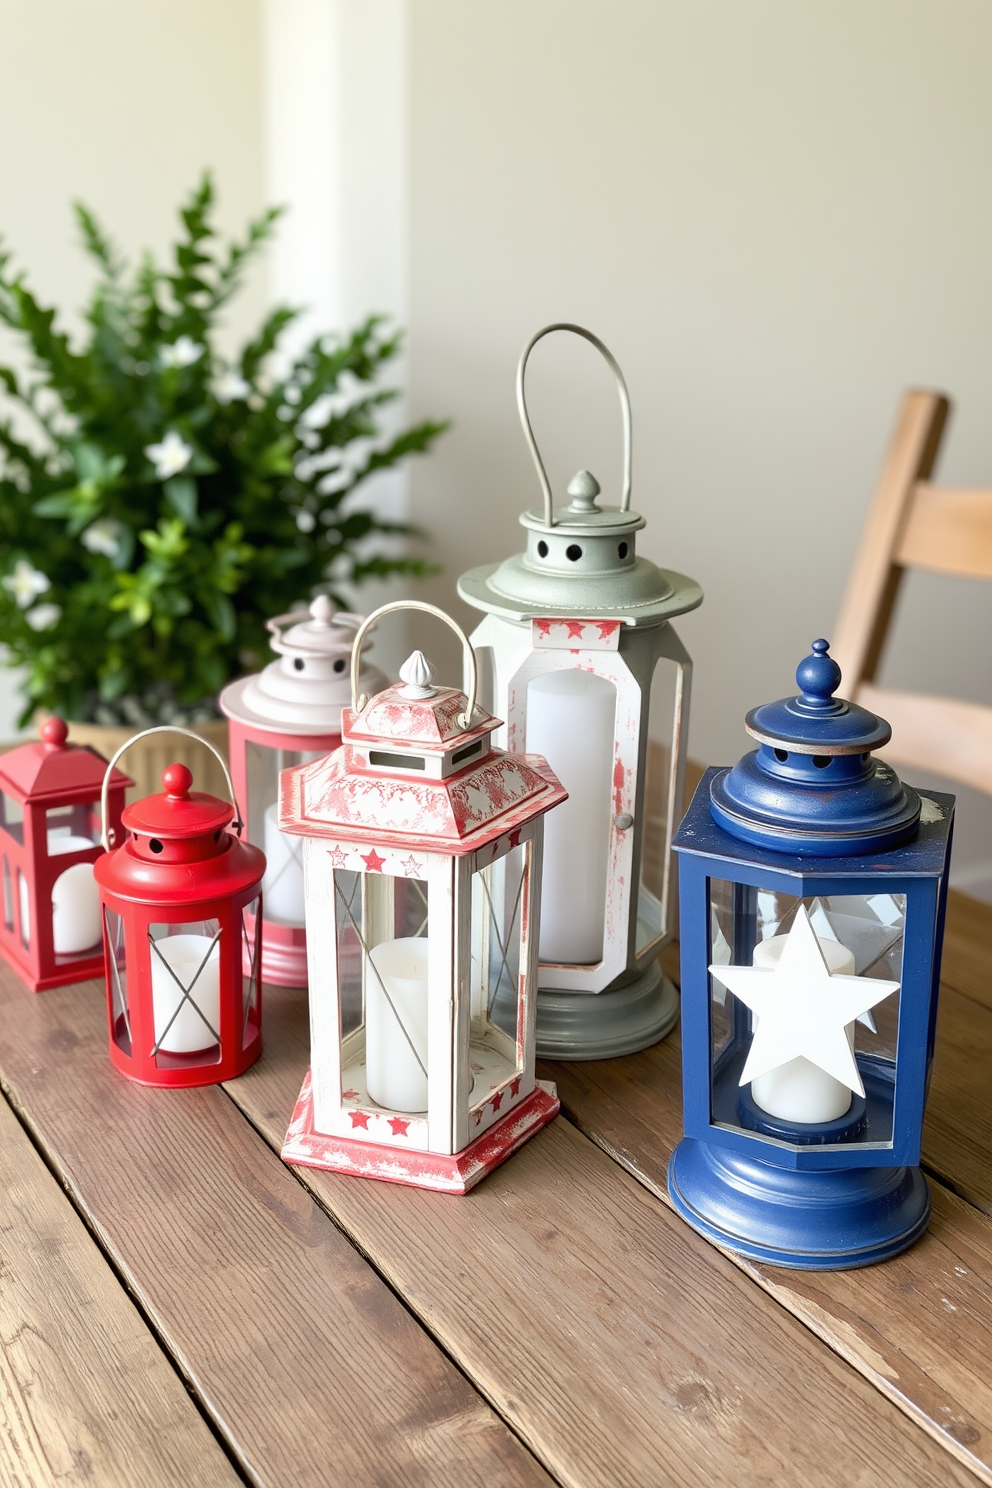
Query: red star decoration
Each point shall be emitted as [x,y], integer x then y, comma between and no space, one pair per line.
[337,856]
[497,1100]
[575,628]
[398,1126]
[606,628]
[360,1118]
[350,1095]
[515,1086]
[411,867]
[372,861]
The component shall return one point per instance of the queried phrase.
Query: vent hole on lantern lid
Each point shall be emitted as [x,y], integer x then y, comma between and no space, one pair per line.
[396,761]
[782,755]
[821,761]
[154,844]
[542,549]
[623,550]
[340,664]
[217,835]
[299,663]
[573,552]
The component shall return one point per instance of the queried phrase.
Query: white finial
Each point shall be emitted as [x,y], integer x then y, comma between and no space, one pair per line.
[322,609]
[417,673]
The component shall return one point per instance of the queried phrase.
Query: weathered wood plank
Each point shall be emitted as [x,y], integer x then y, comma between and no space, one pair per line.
[967,963]
[623,1349]
[957,1136]
[309,1367]
[86,1393]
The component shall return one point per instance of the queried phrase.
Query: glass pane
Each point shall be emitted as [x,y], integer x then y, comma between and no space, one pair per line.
[24,909]
[185,968]
[250,936]
[282,886]
[76,926]
[656,878]
[12,817]
[838,1085]
[117,970]
[8,897]
[571,718]
[71,828]
[497,913]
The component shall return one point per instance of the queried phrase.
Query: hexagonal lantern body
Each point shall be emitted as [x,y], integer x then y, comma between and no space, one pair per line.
[180,897]
[422,856]
[288,714]
[578,655]
[812,888]
[49,840]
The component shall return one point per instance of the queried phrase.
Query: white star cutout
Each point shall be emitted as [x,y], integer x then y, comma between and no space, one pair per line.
[801,1009]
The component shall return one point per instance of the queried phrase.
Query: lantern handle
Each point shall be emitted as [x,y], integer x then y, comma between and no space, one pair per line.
[108,835]
[565,325]
[358,701]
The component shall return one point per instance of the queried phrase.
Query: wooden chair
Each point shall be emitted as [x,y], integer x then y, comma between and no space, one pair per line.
[916,524]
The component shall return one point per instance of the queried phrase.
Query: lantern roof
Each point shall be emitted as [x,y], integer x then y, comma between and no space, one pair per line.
[53,770]
[178,813]
[813,785]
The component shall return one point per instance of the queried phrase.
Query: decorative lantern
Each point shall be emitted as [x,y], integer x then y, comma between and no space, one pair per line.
[588,672]
[288,714]
[422,855]
[812,889]
[49,840]
[180,900]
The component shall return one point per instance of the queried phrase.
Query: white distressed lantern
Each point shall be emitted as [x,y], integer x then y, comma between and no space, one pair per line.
[422,858]
[582,662]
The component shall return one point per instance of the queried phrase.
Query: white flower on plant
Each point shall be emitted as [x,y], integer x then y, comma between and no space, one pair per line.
[102,536]
[230,385]
[26,583]
[305,521]
[171,456]
[43,616]
[181,353]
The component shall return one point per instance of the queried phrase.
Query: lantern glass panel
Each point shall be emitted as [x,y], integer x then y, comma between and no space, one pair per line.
[185,975]
[8,896]
[860,935]
[12,817]
[120,1019]
[498,896]
[250,934]
[382,928]
[24,909]
[71,828]
[282,886]
[656,878]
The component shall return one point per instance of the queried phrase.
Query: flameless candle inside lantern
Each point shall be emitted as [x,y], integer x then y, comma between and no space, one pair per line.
[75,899]
[184,955]
[393,1071]
[282,886]
[800,1091]
[570,721]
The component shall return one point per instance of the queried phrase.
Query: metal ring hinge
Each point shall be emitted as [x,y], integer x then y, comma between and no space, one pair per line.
[358,701]
[564,325]
[108,834]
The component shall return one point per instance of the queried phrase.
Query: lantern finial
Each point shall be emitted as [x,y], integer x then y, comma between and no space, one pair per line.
[55,731]
[177,780]
[418,674]
[818,677]
[322,609]
[583,489]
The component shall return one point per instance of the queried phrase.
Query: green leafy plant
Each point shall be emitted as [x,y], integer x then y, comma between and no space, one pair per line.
[157,503]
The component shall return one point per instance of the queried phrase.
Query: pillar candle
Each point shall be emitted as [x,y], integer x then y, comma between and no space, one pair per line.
[570,720]
[282,886]
[393,1076]
[75,899]
[188,1033]
[801,1091]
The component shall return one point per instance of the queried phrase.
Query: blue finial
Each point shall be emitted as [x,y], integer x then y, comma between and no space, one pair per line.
[818,677]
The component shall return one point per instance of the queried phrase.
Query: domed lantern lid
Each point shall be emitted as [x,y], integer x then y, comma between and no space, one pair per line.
[305,689]
[813,785]
[582,560]
[52,771]
[416,767]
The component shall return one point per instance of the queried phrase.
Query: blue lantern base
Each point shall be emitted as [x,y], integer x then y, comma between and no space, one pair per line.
[831,1219]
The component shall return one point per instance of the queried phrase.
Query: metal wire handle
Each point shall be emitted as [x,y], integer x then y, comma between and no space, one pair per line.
[358,702]
[107,833]
[564,325]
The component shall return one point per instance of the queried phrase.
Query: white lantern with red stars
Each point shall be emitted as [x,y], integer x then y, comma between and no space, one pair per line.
[422,855]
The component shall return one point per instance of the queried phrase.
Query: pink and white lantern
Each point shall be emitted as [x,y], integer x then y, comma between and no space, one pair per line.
[422,849]
[286,715]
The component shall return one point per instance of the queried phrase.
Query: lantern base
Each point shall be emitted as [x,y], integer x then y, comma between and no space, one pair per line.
[829,1219]
[456,1174]
[81,968]
[599,1025]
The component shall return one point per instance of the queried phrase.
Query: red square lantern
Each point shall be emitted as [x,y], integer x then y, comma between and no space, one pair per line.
[288,714]
[50,931]
[422,852]
[181,897]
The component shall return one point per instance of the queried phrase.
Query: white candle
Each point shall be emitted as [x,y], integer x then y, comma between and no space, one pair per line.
[282,886]
[570,720]
[188,1033]
[393,1072]
[75,899]
[801,1091]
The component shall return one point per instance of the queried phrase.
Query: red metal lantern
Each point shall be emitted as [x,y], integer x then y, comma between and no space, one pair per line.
[288,714]
[422,849]
[50,931]
[180,897]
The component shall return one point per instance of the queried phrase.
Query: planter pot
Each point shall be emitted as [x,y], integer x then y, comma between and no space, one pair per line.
[146,760]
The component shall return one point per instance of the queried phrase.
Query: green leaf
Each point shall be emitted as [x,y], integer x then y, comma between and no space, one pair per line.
[181,494]
[222,614]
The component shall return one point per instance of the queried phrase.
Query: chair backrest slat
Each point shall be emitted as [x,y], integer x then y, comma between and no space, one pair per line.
[948,531]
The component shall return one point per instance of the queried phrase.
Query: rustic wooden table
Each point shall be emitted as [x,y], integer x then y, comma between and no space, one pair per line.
[177,1307]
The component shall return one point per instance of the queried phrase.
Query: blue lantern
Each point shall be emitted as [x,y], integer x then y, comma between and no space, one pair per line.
[812,888]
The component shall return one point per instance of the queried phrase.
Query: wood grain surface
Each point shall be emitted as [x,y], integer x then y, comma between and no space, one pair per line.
[967,963]
[620,1346]
[311,1370]
[86,1393]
